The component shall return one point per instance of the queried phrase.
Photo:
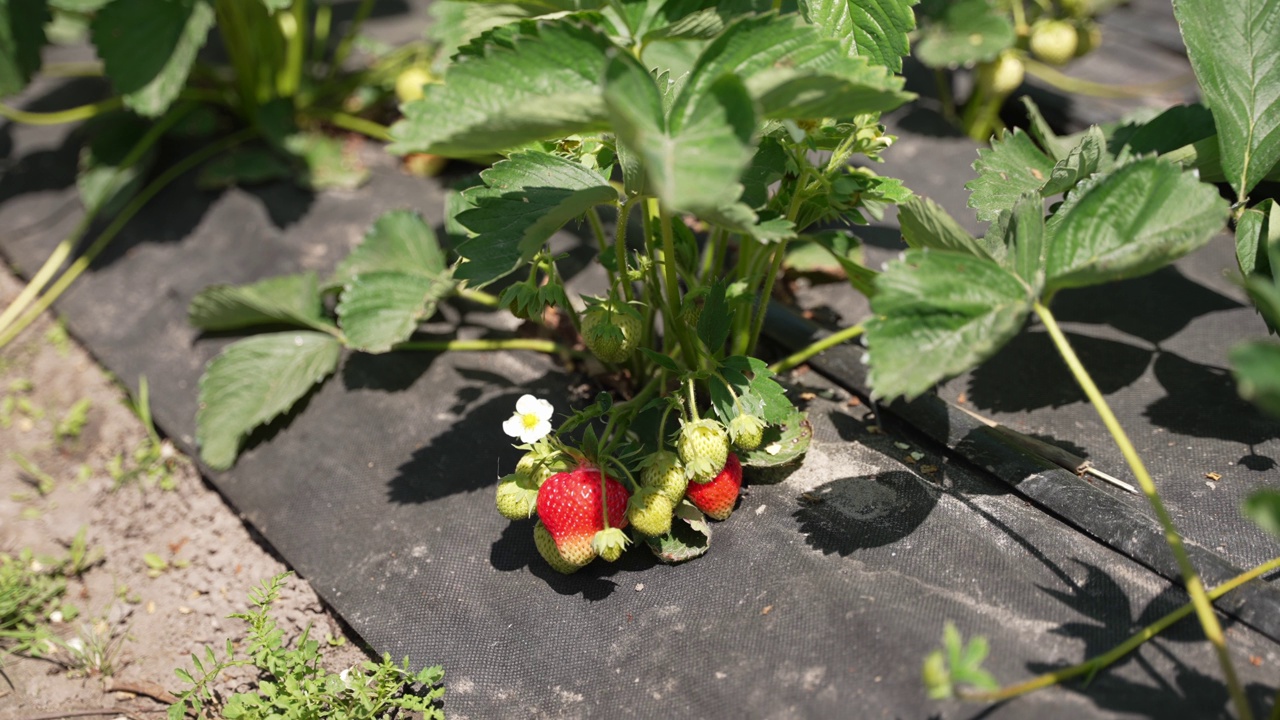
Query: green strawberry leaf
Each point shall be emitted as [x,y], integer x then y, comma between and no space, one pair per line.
[663,361]
[1257,235]
[147,48]
[757,391]
[1086,158]
[525,199]
[783,443]
[968,31]
[253,381]
[874,29]
[1013,165]
[792,72]
[1131,222]
[1256,366]
[847,251]
[1234,48]
[380,309]
[286,299]
[1024,238]
[694,160]
[103,184]
[938,314]
[925,224]
[536,80]
[1057,147]
[399,241]
[1263,507]
[689,538]
[21,38]
[715,319]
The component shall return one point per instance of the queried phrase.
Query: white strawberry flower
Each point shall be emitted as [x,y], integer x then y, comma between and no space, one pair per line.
[531,421]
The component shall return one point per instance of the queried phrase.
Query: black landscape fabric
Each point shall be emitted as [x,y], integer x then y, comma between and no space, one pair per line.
[819,598]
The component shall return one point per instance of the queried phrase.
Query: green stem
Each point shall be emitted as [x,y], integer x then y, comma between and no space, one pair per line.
[693,399]
[672,316]
[1094,665]
[320,37]
[1203,607]
[72,69]
[597,229]
[1076,86]
[293,26]
[479,297]
[775,266]
[1019,17]
[353,123]
[63,250]
[83,112]
[824,344]
[234,29]
[620,245]
[543,346]
[139,201]
[348,38]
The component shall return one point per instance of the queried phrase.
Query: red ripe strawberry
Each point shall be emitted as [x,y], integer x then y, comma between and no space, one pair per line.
[717,497]
[569,506]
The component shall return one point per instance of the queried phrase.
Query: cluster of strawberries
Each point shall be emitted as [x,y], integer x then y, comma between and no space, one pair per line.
[582,512]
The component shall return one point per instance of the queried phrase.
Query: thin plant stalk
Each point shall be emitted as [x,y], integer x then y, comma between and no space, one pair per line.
[822,345]
[75,114]
[82,263]
[353,123]
[673,287]
[64,248]
[543,346]
[1077,86]
[1094,665]
[1195,588]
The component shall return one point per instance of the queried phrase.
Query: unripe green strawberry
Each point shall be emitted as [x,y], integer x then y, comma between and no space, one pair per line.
[747,431]
[650,512]
[691,308]
[542,462]
[517,496]
[717,498]
[610,543]
[703,446]
[569,505]
[663,472]
[1088,37]
[611,330]
[547,549]
[1077,8]
[1004,75]
[1053,41]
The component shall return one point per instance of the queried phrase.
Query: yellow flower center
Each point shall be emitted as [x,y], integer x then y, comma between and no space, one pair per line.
[529,420]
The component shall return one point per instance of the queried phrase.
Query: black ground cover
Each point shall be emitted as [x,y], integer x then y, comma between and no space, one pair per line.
[819,597]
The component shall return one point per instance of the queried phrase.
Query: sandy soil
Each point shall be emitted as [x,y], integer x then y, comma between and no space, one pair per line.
[155,619]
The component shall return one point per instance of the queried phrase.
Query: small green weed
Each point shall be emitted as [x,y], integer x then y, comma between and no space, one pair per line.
[57,337]
[293,684]
[73,422]
[42,480]
[31,592]
[155,459]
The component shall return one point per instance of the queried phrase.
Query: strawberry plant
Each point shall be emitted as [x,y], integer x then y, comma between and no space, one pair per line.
[267,113]
[695,142]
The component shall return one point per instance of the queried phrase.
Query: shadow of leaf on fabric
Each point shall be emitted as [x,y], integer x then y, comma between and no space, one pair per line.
[1202,401]
[1028,373]
[854,513]
[1154,307]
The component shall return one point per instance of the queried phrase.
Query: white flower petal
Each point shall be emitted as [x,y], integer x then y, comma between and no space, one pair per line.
[544,410]
[527,405]
[514,426]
